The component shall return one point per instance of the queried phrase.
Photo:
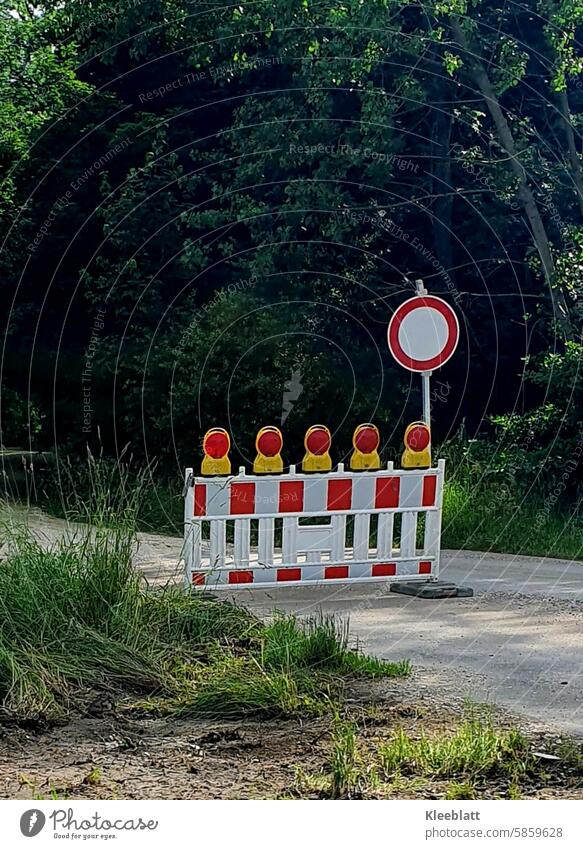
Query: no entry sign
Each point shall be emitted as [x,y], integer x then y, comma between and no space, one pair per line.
[423,333]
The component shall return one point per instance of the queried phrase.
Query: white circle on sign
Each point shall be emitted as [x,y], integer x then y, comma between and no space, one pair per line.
[423,333]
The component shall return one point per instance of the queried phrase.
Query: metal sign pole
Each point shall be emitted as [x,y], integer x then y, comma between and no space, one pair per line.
[425,389]
[422,335]
[425,376]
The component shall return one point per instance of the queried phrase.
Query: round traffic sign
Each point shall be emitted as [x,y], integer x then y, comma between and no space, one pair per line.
[423,333]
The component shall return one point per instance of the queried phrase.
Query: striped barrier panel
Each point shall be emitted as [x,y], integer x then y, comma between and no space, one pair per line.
[355,541]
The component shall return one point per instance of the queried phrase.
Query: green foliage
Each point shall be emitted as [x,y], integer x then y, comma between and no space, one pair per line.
[38,80]
[564,17]
[502,497]
[546,442]
[248,192]
[22,420]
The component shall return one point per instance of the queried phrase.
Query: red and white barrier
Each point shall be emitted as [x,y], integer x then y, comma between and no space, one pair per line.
[312,553]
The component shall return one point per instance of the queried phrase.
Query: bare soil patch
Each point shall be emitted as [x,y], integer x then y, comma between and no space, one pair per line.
[121,753]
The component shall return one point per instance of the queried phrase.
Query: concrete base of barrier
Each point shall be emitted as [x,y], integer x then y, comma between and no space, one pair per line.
[433,589]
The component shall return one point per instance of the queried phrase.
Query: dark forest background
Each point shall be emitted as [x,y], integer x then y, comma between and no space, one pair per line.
[209,213]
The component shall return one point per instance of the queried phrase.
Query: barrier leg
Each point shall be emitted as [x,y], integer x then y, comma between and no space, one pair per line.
[218,543]
[408,534]
[242,542]
[431,542]
[266,529]
[191,551]
[190,548]
[361,536]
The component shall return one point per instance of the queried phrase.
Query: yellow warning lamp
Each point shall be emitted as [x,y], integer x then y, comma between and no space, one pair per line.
[317,442]
[365,440]
[216,445]
[268,443]
[417,453]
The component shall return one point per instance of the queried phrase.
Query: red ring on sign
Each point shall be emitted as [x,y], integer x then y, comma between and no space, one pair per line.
[397,319]
[318,440]
[366,439]
[216,444]
[269,443]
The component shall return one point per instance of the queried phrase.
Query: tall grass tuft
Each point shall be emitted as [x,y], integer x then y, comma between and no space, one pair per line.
[104,491]
[345,771]
[320,643]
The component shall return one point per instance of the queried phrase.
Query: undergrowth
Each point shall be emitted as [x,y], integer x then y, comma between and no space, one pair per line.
[489,506]
[486,507]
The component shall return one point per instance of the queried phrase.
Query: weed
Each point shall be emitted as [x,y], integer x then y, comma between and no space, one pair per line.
[513,791]
[35,794]
[309,782]
[475,749]
[93,777]
[461,790]
[320,643]
[570,752]
[346,776]
[400,784]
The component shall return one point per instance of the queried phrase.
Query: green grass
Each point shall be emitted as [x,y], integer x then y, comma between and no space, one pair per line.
[76,618]
[345,767]
[232,687]
[290,667]
[475,758]
[484,510]
[99,489]
[461,790]
[320,643]
[486,517]
[475,750]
